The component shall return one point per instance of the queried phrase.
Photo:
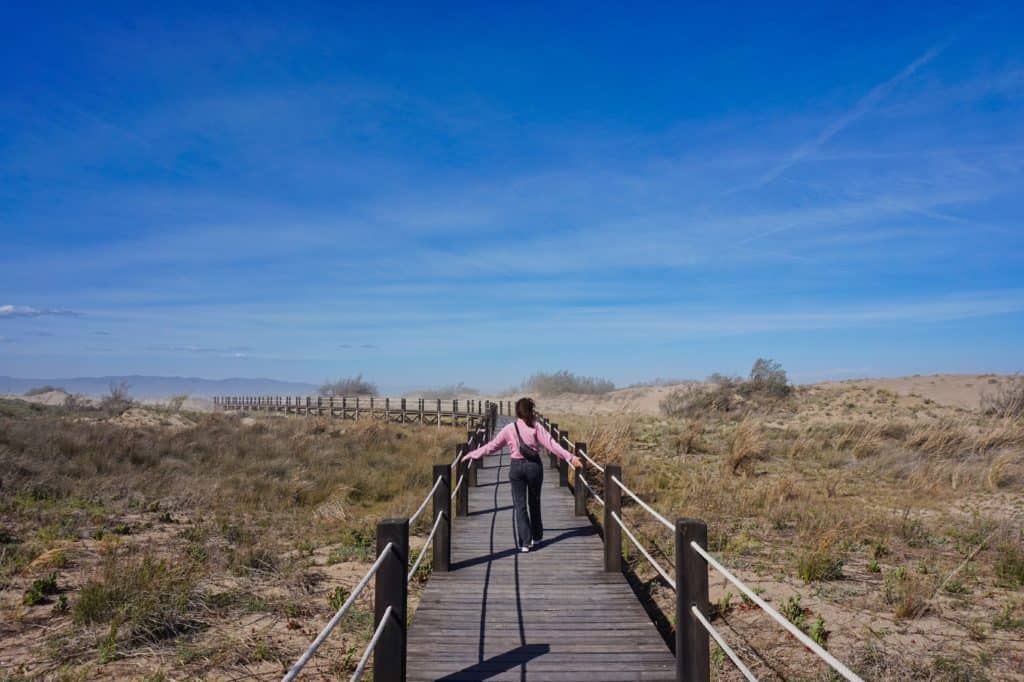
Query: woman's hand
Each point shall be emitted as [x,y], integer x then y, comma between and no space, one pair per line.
[575,462]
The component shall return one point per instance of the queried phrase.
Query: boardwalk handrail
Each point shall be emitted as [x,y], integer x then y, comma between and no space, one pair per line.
[778,617]
[391,608]
[696,586]
[423,550]
[333,622]
[365,658]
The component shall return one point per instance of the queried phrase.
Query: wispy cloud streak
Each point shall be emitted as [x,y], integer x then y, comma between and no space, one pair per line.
[862,107]
[9,311]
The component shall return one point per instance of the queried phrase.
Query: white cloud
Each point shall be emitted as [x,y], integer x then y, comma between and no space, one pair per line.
[27,311]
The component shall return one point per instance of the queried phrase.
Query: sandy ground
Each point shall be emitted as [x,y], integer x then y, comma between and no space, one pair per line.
[950,390]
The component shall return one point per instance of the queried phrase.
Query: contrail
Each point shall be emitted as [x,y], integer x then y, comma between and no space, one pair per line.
[864,105]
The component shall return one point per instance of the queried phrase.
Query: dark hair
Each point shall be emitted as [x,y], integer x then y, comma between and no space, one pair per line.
[524,410]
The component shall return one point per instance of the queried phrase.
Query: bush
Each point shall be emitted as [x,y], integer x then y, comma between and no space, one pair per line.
[748,445]
[767,377]
[565,381]
[1010,563]
[150,598]
[820,565]
[117,401]
[39,390]
[348,386]
[1007,401]
[722,393]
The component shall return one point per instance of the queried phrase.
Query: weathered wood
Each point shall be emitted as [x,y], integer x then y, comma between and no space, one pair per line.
[579,491]
[551,614]
[612,532]
[692,645]
[390,590]
[442,504]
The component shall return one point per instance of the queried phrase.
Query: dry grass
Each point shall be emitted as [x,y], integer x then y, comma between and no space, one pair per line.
[897,522]
[212,550]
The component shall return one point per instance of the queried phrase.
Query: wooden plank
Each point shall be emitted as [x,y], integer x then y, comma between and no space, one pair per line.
[551,614]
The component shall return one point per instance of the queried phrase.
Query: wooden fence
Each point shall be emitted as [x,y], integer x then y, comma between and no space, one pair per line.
[398,410]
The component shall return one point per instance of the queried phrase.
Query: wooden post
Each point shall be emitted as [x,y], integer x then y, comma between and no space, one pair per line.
[387,409]
[420,406]
[553,431]
[471,471]
[357,407]
[391,589]
[612,532]
[563,473]
[693,658]
[443,507]
[579,491]
[462,499]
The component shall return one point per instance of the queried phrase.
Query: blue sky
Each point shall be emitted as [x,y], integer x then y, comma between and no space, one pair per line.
[475,192]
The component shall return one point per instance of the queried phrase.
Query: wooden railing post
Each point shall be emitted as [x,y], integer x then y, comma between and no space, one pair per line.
[693,658]
[474,443]
[563,473]
[443,507]
[462,499]
[391,589]
[553,432]
[579,491]
[612,532]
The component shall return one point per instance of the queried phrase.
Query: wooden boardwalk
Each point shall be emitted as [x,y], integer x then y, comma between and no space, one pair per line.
[551,614]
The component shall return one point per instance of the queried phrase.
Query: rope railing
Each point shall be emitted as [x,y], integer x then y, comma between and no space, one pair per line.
[694,586]
[717,636]
[778,617]
[426,501]
[358,674]
[664,574]
[590,488]
[668,524]
[339,614]
[423,550]
[392,583]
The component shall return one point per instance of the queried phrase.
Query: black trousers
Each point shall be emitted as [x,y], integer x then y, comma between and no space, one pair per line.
[526,478]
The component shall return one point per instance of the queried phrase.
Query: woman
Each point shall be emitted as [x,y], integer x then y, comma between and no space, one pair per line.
[524,437]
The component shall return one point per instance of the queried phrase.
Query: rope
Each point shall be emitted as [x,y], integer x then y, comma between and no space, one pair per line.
[779,618]
[308,653]
[358,674]
[423,550]
[668,524]
[721,643]
[579,477]
[457,486]
[416,514]
[657,566]
[587,457]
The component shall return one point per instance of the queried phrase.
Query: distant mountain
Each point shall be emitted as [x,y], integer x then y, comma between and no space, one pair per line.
[154,388]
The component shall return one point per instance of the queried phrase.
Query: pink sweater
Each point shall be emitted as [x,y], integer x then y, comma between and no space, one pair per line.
[531,435]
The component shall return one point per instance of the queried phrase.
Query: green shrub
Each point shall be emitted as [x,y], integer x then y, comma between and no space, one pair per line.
[147,598]
[1010,563]
[40,589]
[820,565]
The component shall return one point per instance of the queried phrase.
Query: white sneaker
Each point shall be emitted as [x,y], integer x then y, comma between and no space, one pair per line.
[524,549]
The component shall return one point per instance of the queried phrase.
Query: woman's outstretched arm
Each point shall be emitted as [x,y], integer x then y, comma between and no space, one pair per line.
[549,443]
[496,443]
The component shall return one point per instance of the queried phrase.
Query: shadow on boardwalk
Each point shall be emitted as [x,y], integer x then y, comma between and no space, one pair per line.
[551,614]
